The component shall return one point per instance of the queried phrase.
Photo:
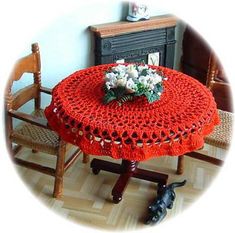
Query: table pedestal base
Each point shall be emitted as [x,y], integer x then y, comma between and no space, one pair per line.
[126,169]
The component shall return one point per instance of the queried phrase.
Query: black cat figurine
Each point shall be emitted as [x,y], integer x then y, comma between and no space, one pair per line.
[165,199]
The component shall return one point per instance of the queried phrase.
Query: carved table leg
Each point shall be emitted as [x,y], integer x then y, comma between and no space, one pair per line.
[127,170]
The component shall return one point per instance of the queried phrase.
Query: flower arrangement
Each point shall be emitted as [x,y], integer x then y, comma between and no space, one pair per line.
[123,82]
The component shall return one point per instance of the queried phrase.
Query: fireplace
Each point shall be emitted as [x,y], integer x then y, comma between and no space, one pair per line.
[151,41]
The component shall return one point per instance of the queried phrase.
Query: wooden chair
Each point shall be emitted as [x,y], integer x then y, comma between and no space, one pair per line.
[222,133]
[33,131]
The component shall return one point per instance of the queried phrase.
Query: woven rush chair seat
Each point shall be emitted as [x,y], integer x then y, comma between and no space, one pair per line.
[221,136]
[35,137]
[32,130]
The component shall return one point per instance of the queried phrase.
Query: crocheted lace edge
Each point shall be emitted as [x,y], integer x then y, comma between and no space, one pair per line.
[191,143]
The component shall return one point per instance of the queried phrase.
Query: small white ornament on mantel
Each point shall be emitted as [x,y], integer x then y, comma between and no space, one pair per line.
[137,11]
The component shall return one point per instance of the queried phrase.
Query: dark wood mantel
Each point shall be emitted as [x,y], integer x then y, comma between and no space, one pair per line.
[139,41]
[124,27]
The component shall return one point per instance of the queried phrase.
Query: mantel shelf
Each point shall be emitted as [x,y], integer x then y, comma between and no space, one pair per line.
[124,27]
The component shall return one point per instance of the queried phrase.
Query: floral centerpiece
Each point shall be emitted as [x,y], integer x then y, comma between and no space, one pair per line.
[123,82]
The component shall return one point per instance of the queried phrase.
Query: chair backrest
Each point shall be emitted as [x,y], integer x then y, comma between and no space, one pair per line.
[27,64]
[219,88]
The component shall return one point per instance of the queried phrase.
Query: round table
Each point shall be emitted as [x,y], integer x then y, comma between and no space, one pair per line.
[135,130]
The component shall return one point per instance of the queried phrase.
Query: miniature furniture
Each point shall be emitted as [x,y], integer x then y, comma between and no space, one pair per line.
[136,130]
[221,137]
[33,131]
[195,62]
[152,41]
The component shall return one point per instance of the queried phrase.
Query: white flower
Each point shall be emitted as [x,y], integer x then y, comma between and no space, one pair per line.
[143,80]
[111,80]
[157,78]
[152,80]
[121,81]
[122,75]
[131,71]
[151,87]
[119,68]
[110,76]
[130,86]
[141,68]
[150,71]
[108,85]
[131,76]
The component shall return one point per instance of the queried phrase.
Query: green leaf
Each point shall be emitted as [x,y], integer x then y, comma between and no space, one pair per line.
[109,96]
[105,89]
[115,72]
[152,97]
[158,88]
[144,72]
[141,89]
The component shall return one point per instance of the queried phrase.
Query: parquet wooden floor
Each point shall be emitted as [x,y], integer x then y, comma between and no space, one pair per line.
[87,197]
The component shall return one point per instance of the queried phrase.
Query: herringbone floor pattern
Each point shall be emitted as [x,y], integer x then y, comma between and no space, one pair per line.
[87,197]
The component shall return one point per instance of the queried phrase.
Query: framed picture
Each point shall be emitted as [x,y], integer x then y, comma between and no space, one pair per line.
[154,59]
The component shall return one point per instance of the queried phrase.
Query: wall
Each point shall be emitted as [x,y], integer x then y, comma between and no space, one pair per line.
[66,44]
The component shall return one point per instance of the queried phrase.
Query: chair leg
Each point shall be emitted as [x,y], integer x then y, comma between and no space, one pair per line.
[180,165]
[86,158]
[59,171]
[14,149]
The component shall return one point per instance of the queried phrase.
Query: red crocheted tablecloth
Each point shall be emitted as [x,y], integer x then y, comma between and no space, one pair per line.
[136,130]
